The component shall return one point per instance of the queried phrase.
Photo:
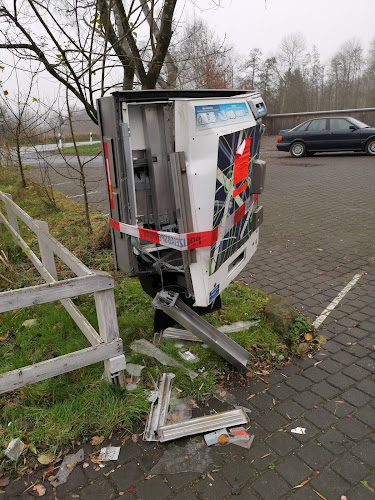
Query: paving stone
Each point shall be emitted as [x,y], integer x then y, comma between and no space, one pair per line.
[262,401]
[353,428]
[261,456]
[357,350]
[293,470]
[153,488]
[184,495]
[365,452]
[344,339]
[290,370]
[308,399]
[305,493]
[127,477]
[299,383]
[367,364]
[282,443]
[246,494]
[360,492]
[325,390]
[350,469]
[273,421]
[329,484]
[356,372]
[315,374]
[211,489]
[331,366]
[333,346]
[100,489]
[76,481]
[344,357]
[355,397]
[281,391]
[358,333]
[321,418]
[275,378]
[335,442]
[341,381]
[367,386]
[340,408]
[237,471]
[270,486]
[366,415]
[303,363]
[290,409]
[315,456]
[368,342]
[182,480]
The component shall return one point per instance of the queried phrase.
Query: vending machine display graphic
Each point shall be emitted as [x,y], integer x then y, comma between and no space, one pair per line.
[234,203]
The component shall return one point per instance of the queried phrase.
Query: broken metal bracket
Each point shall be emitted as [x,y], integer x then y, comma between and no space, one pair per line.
[201,425]
[159,408]
[174,307]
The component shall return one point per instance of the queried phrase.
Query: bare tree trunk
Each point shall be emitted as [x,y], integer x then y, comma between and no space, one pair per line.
[81,170]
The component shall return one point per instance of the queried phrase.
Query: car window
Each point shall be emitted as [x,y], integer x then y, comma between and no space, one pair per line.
[340,124]
[302,126]
[316,125]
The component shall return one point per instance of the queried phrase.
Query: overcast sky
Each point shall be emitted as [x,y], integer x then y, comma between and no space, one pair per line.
[259,23]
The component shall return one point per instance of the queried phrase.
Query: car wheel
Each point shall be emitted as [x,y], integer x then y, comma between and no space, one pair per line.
[370,147]
[298,149]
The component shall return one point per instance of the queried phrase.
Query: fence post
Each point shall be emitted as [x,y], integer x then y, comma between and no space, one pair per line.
[108,331]
[12,218]
[47,255]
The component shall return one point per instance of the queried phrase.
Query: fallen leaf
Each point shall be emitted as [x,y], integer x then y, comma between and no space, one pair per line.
[343,497]
[264,456]
[4,481]
[46,458]
[209,475]
[135,438]
[124,440]
[95,440]
[249,374]
[304,346]
[222,439]
[40,489]
[120,493]
[52,478]
[251,396]
[321,339]
[131,489]
[47,473]
[85,465]
[319,494]
[303,483]
[308,336]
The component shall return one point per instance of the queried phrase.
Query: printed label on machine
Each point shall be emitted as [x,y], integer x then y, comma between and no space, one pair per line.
[220,114]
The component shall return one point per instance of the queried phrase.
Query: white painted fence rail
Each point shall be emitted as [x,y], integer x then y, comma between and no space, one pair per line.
[106,345]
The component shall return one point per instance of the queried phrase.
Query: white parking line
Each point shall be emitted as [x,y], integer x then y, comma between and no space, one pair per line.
[319,320]
[61,183]
[78,195]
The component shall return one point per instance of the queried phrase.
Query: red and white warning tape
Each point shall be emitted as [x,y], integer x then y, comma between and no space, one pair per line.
[184,241]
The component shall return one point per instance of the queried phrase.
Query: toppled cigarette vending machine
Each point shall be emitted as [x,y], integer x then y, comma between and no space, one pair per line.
[183,179]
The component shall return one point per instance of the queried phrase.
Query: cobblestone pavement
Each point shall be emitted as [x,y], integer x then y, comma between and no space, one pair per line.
[318,232]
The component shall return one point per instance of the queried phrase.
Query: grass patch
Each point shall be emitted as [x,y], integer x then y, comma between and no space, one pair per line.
[77,405]
[83,150]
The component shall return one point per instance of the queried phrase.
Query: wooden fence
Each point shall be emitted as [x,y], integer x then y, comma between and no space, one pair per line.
[274,123]
[105,346]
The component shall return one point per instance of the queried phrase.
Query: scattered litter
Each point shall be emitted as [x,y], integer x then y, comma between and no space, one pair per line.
[180,410]
[194,457]
[135,372]
[239,431]
[109,453]
[226,397]
[213,437]
[299,430]
[244,442]
[85,465]
[144,347]
[29,323]
[188,356]
[14,449]
[67,466]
